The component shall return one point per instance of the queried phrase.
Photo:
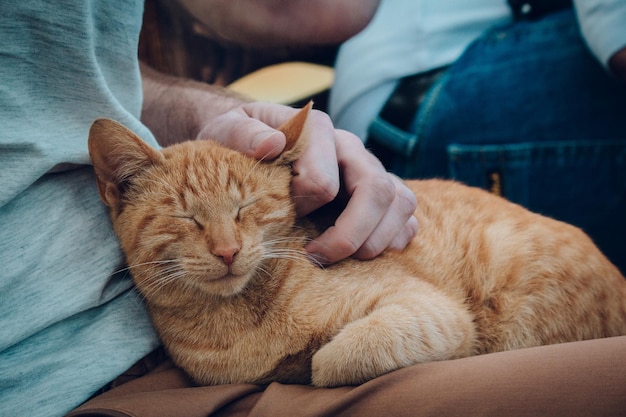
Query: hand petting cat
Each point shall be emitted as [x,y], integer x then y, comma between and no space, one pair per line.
[378,215]
[379,212]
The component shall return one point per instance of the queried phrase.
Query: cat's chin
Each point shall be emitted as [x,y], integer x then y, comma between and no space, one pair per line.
[227,285]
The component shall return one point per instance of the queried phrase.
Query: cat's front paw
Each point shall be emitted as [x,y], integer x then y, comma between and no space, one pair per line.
[392,337]
[364,349]
[333,366]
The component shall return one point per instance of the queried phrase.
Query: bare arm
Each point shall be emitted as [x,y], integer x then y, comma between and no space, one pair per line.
[281,22]
[176,109]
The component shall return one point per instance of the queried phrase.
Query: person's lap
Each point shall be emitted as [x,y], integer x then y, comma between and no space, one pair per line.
[573,379]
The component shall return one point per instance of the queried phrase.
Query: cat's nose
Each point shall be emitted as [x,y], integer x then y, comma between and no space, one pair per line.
[226,253]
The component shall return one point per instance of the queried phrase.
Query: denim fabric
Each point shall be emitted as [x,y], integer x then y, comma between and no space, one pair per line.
[528,111]
[581,182]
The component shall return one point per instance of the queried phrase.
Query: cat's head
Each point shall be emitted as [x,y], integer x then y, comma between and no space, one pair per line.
[195,216]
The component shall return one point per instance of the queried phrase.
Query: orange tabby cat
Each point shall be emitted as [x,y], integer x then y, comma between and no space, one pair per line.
[213,244]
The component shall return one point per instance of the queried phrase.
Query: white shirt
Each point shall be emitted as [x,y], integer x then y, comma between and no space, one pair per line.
[411,36]
[603,25]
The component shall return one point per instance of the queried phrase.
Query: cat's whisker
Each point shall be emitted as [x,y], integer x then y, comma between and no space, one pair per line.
[259,161]
[157,271]
[130,267]
[245,179]
[277,147]
[285,240]
[160,272]
[283,248]
[161,282]
[260,268]
[158,283]
[285,254]
[152,271]
[159,277]
[300,255]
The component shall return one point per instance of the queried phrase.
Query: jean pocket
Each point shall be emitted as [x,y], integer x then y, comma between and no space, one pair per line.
[580,182]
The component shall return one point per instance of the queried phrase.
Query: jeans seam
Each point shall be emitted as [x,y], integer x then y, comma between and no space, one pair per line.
[425,112]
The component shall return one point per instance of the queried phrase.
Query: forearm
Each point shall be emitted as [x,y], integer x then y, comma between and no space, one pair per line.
[177,109]
[283,23]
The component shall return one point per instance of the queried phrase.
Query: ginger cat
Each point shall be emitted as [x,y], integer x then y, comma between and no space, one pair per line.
[213,245]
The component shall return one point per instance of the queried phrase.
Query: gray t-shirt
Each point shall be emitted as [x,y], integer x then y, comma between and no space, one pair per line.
[68,324]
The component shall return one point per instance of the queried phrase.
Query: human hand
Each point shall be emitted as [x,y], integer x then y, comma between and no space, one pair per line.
[379,212]
[617,64]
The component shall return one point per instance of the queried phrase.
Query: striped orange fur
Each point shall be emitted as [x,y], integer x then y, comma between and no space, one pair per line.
[213,244]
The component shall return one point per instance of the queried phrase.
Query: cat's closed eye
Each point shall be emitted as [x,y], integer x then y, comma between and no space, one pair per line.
[241,211]
[190,218]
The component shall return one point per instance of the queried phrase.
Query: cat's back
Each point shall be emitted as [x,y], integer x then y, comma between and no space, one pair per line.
[514,267]
[472,224]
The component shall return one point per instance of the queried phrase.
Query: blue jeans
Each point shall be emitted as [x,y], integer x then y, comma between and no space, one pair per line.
[528,112]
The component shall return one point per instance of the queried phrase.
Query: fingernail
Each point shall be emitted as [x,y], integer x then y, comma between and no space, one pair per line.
[263,150]
[261,136]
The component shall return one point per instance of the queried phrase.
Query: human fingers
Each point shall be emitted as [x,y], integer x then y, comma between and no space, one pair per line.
[397,227]
[316,172]
[250,129]
[379,210]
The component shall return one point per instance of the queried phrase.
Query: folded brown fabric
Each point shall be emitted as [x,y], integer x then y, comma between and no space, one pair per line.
[571,379]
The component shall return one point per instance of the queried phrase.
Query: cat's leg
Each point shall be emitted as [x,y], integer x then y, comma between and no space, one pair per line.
[394,336]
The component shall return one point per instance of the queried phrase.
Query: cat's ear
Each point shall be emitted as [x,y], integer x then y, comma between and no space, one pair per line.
[117,155]
[293,130]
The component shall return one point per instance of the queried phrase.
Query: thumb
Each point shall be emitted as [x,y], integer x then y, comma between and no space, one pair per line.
[237,130]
